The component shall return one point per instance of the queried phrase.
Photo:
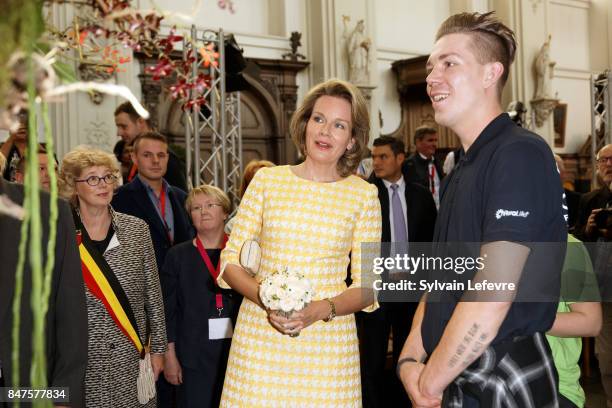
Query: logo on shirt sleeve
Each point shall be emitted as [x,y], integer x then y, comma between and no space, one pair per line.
[511,213]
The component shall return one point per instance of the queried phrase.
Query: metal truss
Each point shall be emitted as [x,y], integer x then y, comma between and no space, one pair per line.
[600,113]
[220,162]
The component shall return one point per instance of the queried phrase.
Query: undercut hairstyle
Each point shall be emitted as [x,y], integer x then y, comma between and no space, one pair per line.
[76,162]
[423,131]
[149,136]
[492,40]
[211,191]
[396,145]
[249,173]
[126,107]
[360,121]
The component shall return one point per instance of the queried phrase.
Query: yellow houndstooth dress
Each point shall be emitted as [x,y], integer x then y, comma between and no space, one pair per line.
[313,227]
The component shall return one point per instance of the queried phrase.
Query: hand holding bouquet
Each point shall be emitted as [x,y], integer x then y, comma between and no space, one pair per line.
[285,292]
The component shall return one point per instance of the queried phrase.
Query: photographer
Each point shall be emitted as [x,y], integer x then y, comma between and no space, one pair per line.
[596,201]
[594,224]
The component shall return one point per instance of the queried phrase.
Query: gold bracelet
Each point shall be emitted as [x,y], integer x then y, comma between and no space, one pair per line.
[332,312]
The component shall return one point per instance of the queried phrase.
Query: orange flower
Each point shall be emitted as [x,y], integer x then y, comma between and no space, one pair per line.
[209,56]
[83,36]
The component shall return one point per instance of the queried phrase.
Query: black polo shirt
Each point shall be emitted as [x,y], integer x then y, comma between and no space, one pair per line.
[506,187]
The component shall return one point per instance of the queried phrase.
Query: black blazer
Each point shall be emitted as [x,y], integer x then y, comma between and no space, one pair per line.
[133,199]
[416,170]
[420,212]
[588,202]
[66,321]
[189,299]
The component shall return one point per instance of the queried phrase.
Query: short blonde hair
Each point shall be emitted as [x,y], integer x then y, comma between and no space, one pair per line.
[249,173]
[210,191]
[360,121]
[76,161]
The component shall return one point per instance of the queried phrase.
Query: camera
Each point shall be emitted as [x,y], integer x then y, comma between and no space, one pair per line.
[603,219]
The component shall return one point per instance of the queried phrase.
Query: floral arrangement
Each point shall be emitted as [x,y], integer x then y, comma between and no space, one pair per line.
[286,291]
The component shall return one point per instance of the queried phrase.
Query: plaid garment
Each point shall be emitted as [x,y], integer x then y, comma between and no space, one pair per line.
[514,374]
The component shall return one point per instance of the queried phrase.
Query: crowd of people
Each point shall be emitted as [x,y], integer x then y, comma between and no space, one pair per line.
[151,305]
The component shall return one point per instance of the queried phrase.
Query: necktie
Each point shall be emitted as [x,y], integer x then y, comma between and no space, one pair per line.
[399,221]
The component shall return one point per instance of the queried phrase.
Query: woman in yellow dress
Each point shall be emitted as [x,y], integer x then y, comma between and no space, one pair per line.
[313,218]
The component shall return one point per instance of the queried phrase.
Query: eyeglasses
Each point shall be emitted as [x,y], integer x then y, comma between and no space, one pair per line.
[95,180]
[603,160]
[209,206]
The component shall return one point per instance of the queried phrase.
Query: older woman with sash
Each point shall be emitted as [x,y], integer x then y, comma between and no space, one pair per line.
[127,334]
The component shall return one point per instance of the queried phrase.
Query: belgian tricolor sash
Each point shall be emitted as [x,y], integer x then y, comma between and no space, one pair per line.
[104,285]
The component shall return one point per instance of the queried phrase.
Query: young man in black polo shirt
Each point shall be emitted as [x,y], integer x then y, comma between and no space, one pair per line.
[504,193]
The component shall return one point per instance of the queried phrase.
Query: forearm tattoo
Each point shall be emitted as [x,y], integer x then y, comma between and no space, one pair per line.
[470,347]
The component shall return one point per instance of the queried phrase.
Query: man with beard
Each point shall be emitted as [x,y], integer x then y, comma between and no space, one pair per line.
[592,205]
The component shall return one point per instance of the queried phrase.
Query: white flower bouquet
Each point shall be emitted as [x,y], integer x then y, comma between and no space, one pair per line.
[286,291]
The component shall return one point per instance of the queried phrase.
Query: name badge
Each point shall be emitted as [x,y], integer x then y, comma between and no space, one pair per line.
[220,328]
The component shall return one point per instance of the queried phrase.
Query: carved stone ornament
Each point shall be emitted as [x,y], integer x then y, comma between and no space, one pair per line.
[98,134]
[97,72]
[542,108]
[294,55]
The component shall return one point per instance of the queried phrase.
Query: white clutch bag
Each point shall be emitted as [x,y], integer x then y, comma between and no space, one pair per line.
[250,256]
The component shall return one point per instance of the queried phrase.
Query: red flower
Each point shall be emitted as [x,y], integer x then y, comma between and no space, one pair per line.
[194,103]
[167,44]
[163,68]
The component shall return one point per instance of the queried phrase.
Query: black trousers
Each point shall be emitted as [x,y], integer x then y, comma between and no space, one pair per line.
[166,393]
[374,329]
[196,390]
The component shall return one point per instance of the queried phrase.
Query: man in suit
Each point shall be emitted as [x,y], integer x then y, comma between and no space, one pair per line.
[66,320]
[162,206]
[592,203]
[422,167]
[149,193]
[129,126]
[400,201]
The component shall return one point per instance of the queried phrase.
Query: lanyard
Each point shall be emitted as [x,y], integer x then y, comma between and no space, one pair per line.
[214,272]
[162,204]
[162,210]
[133,171]
[433,178]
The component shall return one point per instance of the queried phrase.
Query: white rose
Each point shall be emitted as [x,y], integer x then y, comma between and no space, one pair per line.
[287,304]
